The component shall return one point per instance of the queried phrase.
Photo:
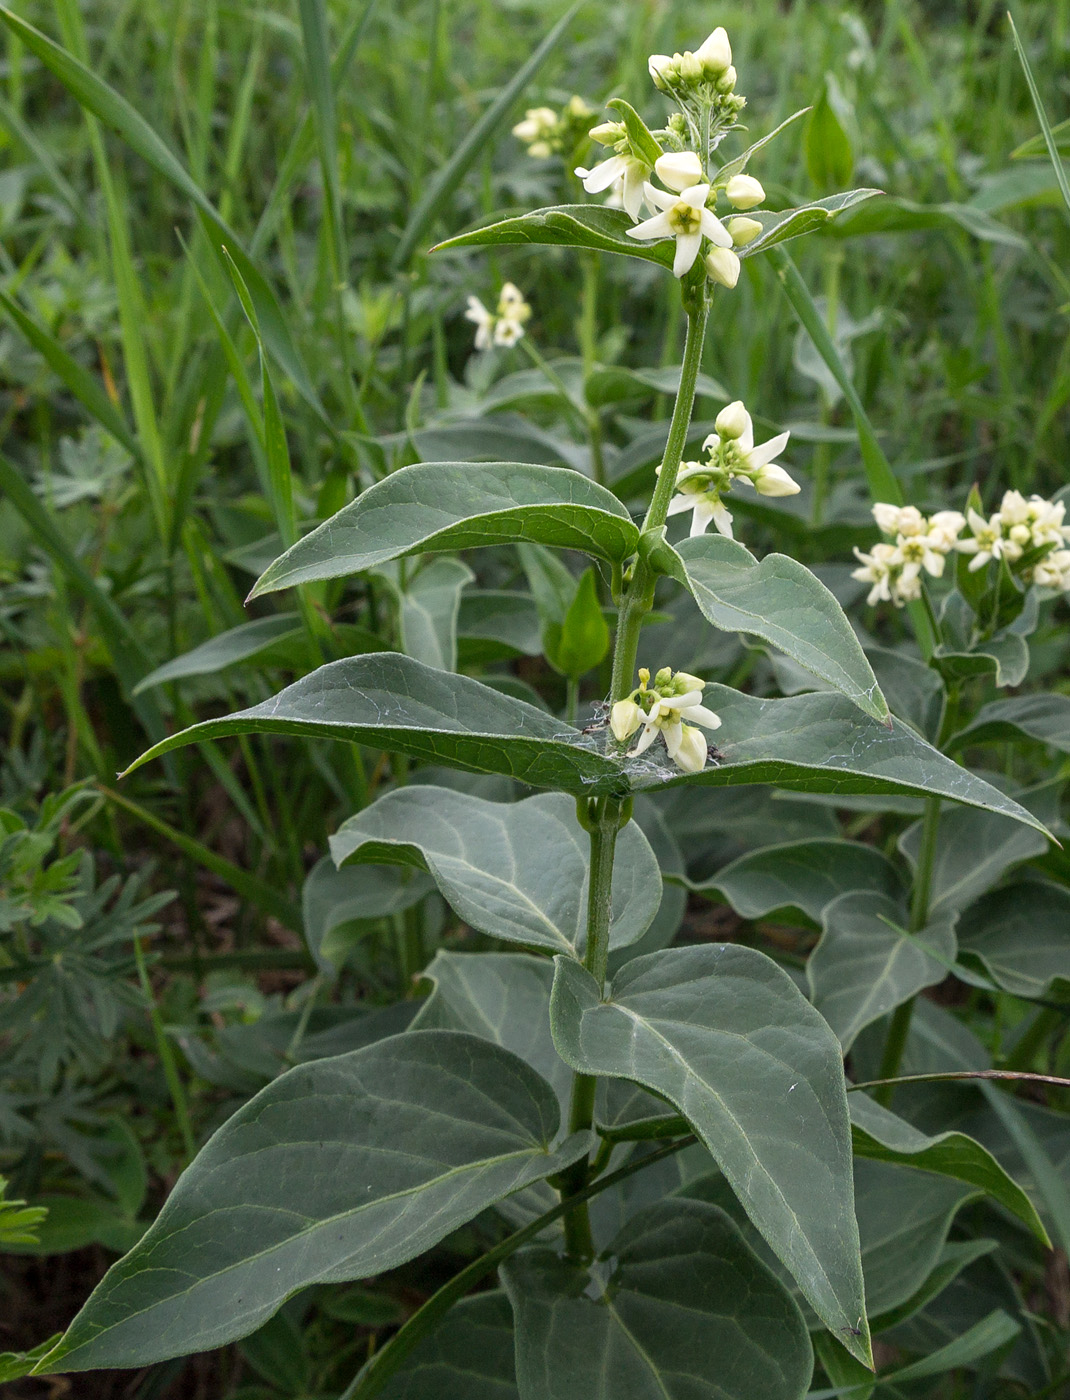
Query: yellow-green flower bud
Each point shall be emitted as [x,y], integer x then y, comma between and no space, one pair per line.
[743,231]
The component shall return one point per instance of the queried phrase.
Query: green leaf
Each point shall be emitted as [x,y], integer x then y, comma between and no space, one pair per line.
[865,964]
[914,691]
[502,997]
[739,163]
[801,877]
[469,1356]
[250,639]
[1045,718]
[447,178]
[496,625]
[584,634]
[985,1337]
[687,1313]
[780,225]
[726,1036]
[1022,936]
[339,906]
[893,215]
[829,157]
[815,743]
[782,602]
[643,143]
[339,1169]
[882,1135]
[428,610]
[514,870]
[974,851]
[440,506]
[1005,655]
[1046,130]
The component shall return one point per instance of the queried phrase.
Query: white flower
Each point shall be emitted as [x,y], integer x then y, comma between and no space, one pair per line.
[743,230]
[678,170]
[662,710]
[744,191]
[627,169]
[507,332]
[914,553]
[537,131]
[944,529]
[1046,518]
[685,218]
[722,266]
[511,303]
[987,541]
[773,480]
[484,322]
[657,65]
[877,570]
[899,520]
[703,501]
[715,53]
[1054,571]
[735,427]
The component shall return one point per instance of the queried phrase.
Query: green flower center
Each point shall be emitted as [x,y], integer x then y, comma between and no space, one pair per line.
[684,219]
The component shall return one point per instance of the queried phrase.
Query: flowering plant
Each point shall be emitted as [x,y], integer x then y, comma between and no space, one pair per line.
[531,1088]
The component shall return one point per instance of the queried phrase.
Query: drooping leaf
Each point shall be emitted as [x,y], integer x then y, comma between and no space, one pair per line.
[726,1036]
[1045,717]
[688,1313]
[428,609]
[338,906]
[891,214]
[974,849]
[438,506]
[782,602]
[802,877]
[1021,934]
[339,1169]
[779,226]
[882,1135]
[514,870]
[469,1356]
[865,964]
[227,649]
[814,743]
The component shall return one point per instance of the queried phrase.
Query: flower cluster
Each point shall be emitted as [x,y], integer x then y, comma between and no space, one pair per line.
[547,133]
[731,456]
[1028,534]
[504,327]
[662,709]
[685,209]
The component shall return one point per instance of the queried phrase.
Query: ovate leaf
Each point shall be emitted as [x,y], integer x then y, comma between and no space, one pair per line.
[440,506]
[686,1313]
[469,1356]
[339,1169]
[428,609]
[726,1036]
[514,870]
[1042,717]
[1021,934]
[973,851]
[782,602]
[866,964]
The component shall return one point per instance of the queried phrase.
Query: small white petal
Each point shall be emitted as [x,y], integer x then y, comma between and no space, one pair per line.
[766,451]
[698,714]
[657,227]
[687,246]
[645,740]
[723,519]
[678,170]
[732,422]
[602,175]
[680,503]
[701,517]
[696,196]
[658,199]
[714,230]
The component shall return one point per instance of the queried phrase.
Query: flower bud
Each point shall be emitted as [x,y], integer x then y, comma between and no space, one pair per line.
[692,753]
[679,170]
[658,64]
[773,480]
[690,68]
[685,682]
[743,231]
[624,719]
[715,54]
[744,191]
[732,421]
[608,133]
[727,81]
[722,266]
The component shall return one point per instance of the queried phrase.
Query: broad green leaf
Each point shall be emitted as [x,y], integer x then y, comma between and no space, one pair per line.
[502,997]
[1022,936]
[801,877]
[339,1169]
[495,625]
[780,225]
[642,141]
[1004,656]
[584,634]
[227,649]
[974,850]
[1043,717]
[882,1135]
[469,1356]
[955,1256]
[613,384]
[848,1376]
[687,1313]
[865,964]
[514,870]
[728,1039]
[782,602]
[914,691]
[428,610]
[339,906]
[829,157]
[442,506]
[985,1337]
[739,163]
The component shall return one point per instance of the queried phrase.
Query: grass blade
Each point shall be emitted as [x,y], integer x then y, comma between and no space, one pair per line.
[1042,116]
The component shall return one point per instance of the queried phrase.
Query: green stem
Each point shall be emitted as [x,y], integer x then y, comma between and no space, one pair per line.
[167,1058]
[385,1362]
[572,699]
[899,1029]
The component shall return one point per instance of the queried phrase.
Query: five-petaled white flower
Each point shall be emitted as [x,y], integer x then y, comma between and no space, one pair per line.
[682,216]
[630,171]
[663,709]
[986,542]
[504,328]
